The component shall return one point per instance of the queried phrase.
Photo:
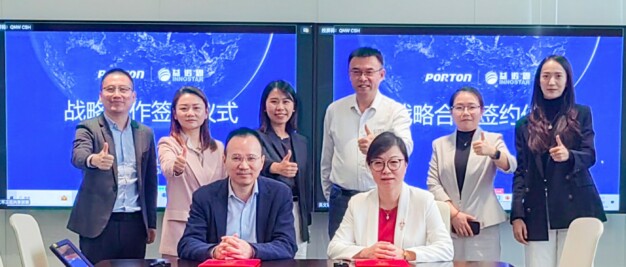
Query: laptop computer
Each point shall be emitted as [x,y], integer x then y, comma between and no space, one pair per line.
[69,254]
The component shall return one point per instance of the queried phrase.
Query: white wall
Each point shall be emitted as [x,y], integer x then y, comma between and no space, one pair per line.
[572,12]
[547,12]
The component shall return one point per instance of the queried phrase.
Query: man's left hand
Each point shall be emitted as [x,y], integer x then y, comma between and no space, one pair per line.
[237,248]
[151,236]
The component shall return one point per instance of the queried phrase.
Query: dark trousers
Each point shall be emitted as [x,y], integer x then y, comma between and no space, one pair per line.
[124,237]
[337,205]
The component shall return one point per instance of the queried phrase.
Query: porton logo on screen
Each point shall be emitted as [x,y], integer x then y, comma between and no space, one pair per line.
[135,74]
[507,78]
[448,77]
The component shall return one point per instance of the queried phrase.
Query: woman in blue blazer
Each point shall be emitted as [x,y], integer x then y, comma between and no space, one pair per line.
[286,154]
[552,185]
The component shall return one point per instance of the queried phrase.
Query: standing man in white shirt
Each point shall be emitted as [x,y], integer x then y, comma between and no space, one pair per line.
[350,125]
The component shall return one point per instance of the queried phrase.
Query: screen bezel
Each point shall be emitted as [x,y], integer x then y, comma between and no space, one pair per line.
[304,72]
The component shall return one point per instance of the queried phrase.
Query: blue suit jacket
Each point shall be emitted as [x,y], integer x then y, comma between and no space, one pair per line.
[206,225]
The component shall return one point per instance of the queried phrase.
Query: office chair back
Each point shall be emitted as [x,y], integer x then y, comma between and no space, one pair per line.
[581,242]
[29,241]
[444,210]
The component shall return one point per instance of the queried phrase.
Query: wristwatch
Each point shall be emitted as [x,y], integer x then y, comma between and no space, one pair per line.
[496,156]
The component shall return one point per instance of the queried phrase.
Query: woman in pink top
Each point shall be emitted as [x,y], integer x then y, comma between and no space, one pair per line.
[189,158]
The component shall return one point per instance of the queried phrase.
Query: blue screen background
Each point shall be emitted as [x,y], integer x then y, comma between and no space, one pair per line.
[53,81]
[413,62]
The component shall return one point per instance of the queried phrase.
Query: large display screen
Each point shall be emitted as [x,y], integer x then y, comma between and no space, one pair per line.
[52,73]
[425,65]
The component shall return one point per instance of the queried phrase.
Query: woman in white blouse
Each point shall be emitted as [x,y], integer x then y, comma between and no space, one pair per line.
[394,220]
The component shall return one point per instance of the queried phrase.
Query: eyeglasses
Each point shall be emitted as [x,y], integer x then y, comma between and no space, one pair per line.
[250,159]
[392,164]
[367,73]
[461,109]
[122,89]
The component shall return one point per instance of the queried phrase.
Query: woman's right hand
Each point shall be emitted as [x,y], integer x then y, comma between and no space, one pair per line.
[285,167]
[180,162]
[381,250]
[461,225]
[519,231]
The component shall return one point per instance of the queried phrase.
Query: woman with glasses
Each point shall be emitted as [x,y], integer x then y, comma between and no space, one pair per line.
[462,171]
[394,220]
[189,158]
[286,154]
[552,185]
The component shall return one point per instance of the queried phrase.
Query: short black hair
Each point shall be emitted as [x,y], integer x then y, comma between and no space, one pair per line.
[114,71]
[382,143]
[470,90]
[366,52]
[242,132]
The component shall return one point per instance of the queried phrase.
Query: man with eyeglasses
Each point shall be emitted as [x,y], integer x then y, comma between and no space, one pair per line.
[115,210]
[244,216]
[350,125]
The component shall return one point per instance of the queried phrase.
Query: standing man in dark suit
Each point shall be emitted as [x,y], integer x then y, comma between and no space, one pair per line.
[115,209]
[244,216]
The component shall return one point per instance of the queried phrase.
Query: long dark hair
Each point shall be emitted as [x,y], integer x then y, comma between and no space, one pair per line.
[567,127]
[286,89]
[175,129]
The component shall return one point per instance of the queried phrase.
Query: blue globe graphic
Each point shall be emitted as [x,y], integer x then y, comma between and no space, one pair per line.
[228,61]
[409,57]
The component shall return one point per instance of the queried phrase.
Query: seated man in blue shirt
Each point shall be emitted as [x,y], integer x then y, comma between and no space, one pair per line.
[244,216]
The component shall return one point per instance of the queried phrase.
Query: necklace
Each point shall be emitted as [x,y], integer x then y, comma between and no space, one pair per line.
[462,143]
[463,139]
[553,122]
[386,214]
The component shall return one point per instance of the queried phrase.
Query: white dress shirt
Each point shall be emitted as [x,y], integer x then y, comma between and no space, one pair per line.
[342,162]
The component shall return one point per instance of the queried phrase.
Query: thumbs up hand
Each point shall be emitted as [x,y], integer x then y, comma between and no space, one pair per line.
[482,146]
[103,160]
[285,167]
[180,162]
[559,153]
[364,143]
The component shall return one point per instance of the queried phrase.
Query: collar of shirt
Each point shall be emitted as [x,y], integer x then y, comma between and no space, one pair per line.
[113,124]
[189,144]
[231,193]
[375,104]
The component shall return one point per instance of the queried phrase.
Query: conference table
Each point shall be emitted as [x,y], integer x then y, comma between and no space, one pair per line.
[293,263]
